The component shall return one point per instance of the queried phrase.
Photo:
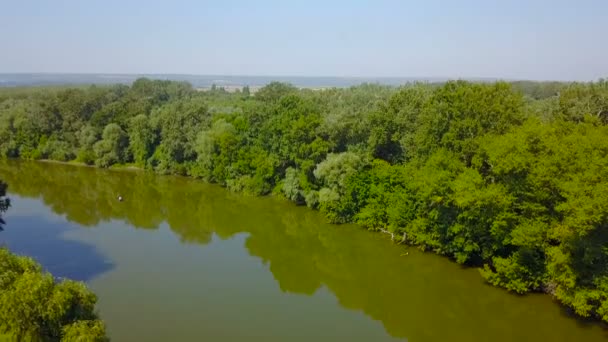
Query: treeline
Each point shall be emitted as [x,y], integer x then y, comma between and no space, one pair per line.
[510,178]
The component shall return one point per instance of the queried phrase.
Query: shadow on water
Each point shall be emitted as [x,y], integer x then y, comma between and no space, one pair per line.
[43,240]
[416,296]
[581,322]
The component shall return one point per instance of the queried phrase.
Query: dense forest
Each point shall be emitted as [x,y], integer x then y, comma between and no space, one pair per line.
[510,178]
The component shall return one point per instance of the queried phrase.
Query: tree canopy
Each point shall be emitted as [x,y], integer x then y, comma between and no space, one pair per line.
[36,307]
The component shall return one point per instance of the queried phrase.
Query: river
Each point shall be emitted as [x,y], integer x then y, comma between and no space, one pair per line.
[182,260]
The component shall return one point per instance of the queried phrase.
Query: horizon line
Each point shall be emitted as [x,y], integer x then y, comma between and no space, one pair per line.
[229,75]
[438,78]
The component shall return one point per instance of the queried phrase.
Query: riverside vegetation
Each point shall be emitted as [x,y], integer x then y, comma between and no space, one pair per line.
[34,306]
[510,178]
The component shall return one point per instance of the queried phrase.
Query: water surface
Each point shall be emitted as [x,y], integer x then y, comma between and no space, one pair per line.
[181,260]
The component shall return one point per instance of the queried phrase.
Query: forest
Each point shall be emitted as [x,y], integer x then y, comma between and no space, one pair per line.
[511,178]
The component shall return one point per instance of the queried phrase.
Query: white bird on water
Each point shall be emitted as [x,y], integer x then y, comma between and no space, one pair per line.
[119,198]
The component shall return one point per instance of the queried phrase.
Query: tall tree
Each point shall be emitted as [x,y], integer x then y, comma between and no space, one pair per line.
[113,146]
[142,138]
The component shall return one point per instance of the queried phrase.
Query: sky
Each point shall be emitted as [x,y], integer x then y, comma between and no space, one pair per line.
[509,39]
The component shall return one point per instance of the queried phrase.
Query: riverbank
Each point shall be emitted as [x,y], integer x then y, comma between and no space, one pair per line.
[472,171]
[123,167]
[176,245]
[399,240]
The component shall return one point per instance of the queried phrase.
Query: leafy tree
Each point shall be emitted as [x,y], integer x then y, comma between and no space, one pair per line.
[246,91]
[90,331]
[393,125]
[36,307]
[581,99]
[274,91]
[216,149]
[459,112]
[87,137]
[112,148]
[142,139]
[334,173]
[57,150]
[178,123]
[291,186]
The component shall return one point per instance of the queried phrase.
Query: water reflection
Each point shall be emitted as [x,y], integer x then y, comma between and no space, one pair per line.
[27,235]
[419,297]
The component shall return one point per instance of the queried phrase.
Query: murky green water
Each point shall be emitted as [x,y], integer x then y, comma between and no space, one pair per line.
[181,260]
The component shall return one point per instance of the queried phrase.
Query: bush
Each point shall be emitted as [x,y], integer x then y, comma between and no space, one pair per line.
[34,306]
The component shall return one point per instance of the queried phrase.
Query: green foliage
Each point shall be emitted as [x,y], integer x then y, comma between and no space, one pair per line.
[346,113]
[216,149]
[459,112]
[291,186]
[246,91]
[178,123]
[337,168]
[35,307]
[274,91]
[510,178]
[539,90]
[57,150]
[556,175]
[112,148]
[85,331]
[581,99]
[333,174]
[393,124]
[142,138]
[520,272]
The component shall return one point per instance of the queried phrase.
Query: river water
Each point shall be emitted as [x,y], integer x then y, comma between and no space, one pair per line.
[182,260]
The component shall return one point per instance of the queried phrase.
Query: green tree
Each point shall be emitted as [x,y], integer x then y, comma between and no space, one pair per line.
[142,139]
[581,99]
[274,91]
[112,148]
[246,91]
[178,124]
[90,331]
[216,149]
[87,137]
[393,125]
[33,306]
[460,112]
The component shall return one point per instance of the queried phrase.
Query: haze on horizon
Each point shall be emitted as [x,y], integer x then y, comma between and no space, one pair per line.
[536,39]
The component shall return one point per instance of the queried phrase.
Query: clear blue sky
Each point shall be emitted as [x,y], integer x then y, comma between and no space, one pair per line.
[534,39]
